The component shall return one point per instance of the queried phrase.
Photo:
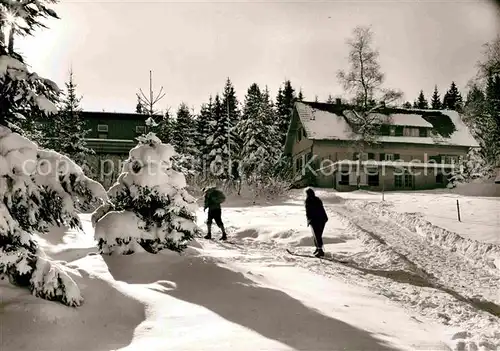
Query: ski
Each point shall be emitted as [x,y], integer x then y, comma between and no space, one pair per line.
[327,258]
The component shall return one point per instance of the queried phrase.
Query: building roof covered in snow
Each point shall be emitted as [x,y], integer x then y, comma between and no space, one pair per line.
[322,121]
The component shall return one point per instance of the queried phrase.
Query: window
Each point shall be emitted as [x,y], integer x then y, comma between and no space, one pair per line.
[140,129]
[371,156]
[397,157]
[103,128]
[373,177]
[299,134]
[355,156]
[103,136]
[450,159]
[344,179]
[385,129]
[436,159]
[399,130]
[298,164]
[392,131]
[411,132]
[405,180]
[389,157]
[304,133]
[439,178]
[422,132]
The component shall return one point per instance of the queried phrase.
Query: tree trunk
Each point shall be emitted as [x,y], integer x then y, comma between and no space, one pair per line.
[11,40]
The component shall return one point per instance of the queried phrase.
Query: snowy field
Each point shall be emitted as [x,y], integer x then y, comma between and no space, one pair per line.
[382,287]
[480,216]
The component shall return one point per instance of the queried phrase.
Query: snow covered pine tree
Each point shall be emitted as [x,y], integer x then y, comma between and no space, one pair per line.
[38,188]
[150,196]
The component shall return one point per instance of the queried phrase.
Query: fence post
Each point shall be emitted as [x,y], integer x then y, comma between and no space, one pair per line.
[458,211]
[383,190]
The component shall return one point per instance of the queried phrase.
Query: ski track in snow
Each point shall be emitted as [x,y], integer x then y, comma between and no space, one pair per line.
[449,269]
[400,265]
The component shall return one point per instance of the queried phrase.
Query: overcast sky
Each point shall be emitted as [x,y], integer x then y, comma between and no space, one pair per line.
[193,46]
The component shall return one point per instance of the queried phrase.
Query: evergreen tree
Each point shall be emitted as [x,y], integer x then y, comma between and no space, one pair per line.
[493,111]
[260,142]
[422,101]
[165,128]
[407,104]
[34,193]
[232,115]
[436,99]
[203,131]
[300,97]
[71,127]
[284,104]
[149,208]
[183,135]
[330,99]
[218,141]
[452,100]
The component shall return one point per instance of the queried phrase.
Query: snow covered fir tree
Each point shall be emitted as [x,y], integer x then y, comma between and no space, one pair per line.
[66,129]
[39,188]
[149,207]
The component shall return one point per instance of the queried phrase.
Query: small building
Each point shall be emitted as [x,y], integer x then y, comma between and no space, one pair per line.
[111,136]
[112,132]
[414,149]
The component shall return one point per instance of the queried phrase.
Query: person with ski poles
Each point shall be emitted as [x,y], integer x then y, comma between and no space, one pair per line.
[316,218]
[213,199]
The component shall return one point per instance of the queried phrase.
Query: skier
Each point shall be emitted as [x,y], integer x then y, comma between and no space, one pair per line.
[316,218]
[213,198]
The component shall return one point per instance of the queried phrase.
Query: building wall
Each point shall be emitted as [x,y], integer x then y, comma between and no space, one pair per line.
[341,150]
[426,179]
[300,148]
[118,128]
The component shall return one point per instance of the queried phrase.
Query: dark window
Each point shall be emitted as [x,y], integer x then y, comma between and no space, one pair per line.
[382,157]
[371,156]
[405,180]
[439,178]
[435,158]
[344,179]
[373,179]
[398,181]
[299,134]
[397,157]
[399,131]
[304,133]
[422,132]
[355,156]
[385,129]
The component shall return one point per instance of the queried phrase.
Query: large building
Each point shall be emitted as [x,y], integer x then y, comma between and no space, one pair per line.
[415,149]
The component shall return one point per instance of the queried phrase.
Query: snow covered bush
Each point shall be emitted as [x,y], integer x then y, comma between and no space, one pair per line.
[38,188]
[472,167]
[149,208]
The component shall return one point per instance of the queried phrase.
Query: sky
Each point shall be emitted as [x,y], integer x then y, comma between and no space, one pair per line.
[193,47]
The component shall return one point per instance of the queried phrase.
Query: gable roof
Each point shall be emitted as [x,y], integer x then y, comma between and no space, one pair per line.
[323,121]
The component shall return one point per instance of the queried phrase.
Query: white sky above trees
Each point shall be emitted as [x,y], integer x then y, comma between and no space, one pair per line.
[192,47]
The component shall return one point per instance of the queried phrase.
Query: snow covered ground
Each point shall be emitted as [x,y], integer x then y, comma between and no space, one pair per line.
[480,216]
[382,286]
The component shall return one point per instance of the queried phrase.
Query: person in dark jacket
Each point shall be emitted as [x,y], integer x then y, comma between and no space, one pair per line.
[213,199]
[316,218]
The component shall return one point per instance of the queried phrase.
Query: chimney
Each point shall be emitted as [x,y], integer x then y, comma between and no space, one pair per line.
[338,101]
